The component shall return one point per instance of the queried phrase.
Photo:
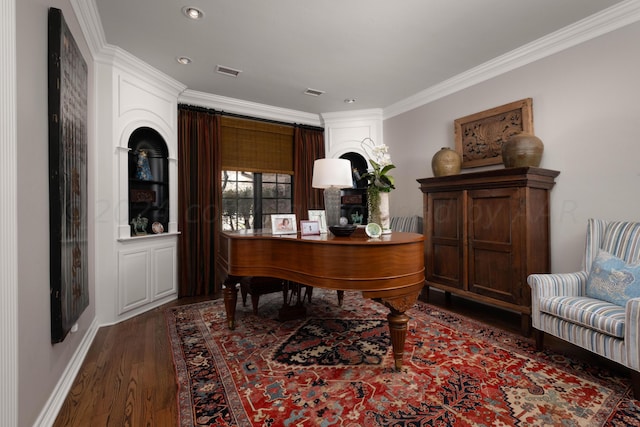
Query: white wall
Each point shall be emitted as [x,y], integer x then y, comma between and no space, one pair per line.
[41,364]
[585,110]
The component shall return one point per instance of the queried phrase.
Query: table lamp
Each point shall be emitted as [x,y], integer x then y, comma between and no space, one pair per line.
[332,175]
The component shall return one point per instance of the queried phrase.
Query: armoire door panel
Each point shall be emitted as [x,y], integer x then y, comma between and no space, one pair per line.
[444,243]
[494,237]
[494,275]
[446,267]
[491,214]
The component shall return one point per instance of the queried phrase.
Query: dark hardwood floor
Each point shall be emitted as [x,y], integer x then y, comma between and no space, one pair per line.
[128,379]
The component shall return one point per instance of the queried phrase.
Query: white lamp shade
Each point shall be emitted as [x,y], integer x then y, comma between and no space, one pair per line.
[328,173]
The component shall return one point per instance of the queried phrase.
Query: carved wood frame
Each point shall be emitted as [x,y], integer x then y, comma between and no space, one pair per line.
[479,137]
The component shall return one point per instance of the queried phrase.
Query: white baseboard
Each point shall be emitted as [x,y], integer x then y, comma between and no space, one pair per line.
[50,410]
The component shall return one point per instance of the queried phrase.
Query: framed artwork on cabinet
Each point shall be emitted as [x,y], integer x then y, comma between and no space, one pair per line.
[479,137]
[67,97]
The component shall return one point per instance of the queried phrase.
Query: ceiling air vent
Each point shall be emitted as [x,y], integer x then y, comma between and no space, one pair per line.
[227,71]
[313,92]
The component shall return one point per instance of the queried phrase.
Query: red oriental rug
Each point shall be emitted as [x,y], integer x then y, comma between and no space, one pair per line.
[335,368]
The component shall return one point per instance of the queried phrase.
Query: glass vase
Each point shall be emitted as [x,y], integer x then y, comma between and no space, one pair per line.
[378,204]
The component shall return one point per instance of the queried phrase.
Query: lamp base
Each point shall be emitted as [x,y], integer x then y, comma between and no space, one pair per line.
[332,205]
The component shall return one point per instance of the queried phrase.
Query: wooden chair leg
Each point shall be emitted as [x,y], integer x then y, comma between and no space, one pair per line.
[447,299]
[254,303]
[244,293]
[539,337]
[340,298]
[424,294]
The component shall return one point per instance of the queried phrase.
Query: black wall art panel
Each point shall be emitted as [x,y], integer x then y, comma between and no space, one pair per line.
[67,177]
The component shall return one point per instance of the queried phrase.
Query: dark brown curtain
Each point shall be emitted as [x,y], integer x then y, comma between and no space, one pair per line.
[199,199]
[308,145]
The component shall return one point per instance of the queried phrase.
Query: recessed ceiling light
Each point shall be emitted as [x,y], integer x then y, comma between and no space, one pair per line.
[192,12]
[184,60]
[313,92]
[349,100]
[227,71]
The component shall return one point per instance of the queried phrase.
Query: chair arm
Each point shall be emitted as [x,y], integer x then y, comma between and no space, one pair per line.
[548,285]
[632,333]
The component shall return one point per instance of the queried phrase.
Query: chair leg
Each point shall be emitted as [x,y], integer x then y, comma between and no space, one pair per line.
[424,294]
[254,303]
[340,298]
[635,384]
[539,337]
[243,292]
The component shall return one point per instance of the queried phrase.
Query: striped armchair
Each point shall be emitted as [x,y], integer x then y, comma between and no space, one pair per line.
[573,306]
[410,224]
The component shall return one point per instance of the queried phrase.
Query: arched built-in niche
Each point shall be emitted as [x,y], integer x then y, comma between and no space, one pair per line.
[354,200]
[148,182]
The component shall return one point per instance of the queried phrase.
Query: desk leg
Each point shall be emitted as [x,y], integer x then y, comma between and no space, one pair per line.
[230,292]
[398,330]
[398,323]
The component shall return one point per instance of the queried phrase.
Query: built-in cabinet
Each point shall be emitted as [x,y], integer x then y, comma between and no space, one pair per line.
[135,184]
[485,232]
[148,183]
[146,273]
[353,203]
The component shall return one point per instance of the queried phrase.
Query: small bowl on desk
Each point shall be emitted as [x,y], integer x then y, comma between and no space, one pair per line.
[343,230]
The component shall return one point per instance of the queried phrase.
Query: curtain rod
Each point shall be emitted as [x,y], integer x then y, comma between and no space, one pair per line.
[242,116]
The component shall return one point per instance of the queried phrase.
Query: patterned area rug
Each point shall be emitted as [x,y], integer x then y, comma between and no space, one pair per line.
[335,368]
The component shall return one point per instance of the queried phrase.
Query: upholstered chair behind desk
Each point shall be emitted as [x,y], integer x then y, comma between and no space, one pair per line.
[258,285]
[597,308]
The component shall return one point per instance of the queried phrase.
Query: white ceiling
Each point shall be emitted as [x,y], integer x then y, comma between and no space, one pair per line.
[376,51]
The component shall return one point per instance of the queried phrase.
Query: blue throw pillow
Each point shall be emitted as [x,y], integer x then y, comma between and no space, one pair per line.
[612,279]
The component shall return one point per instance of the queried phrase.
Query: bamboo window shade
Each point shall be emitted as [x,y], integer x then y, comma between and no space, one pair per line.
[255,146]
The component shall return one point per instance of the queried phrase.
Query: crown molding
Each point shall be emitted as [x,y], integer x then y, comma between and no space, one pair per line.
[350,116]
[248,108]
[613,18]
[89,19]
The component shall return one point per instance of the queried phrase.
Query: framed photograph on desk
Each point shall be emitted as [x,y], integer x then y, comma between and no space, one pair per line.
[321,217]
[309,228]
[283,224]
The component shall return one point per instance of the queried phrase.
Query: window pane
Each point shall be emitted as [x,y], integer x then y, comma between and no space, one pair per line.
[269,191]
[284,179]
[245,176]
[284,205]
[269,177]
[284,191]
[270,206]
[241,201]
[245,190]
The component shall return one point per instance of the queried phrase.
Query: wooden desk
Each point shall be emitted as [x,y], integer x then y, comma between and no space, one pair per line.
[389,270]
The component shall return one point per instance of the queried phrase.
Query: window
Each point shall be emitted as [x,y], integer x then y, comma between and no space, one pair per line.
[249,199]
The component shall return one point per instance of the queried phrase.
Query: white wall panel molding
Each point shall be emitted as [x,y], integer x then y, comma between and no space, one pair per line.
[344,131]
[138,99]
[8,218]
